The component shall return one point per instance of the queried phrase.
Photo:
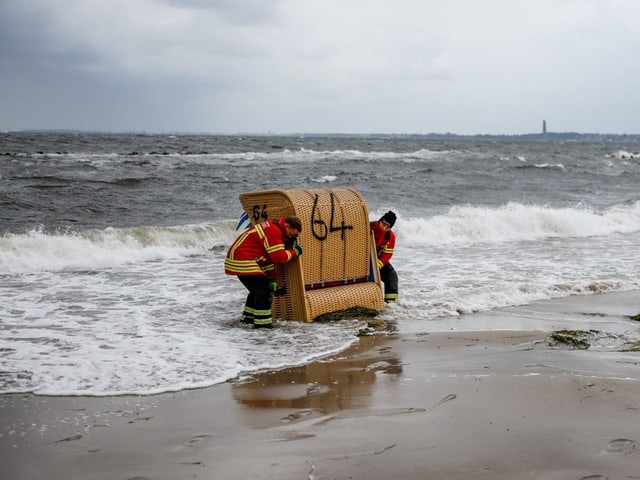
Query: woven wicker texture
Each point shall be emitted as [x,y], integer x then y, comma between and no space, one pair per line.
[333,299]
[337,249]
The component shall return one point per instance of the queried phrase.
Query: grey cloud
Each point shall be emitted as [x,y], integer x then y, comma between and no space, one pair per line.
[330,65]
[240,12]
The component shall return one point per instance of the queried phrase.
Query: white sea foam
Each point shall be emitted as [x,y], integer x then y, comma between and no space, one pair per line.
[324,179]
[517,222]
[623,154]
[111,247]
[286,155]
[283,156]
[559,166]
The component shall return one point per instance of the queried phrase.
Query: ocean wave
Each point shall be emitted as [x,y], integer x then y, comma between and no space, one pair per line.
[324,179]
[552,166]
[37,251]
[97,249]
[211,157]
[625,155]
[518,222]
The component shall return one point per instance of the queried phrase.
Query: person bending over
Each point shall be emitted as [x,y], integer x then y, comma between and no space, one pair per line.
[252,258]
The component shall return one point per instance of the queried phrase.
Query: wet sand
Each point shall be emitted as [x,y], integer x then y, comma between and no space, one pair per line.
[482,396]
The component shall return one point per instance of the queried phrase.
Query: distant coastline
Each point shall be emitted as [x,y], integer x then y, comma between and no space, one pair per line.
[542,137]
[537,137]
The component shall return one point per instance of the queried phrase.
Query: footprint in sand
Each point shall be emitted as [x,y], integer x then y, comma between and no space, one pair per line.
[295,416]
[69,439]
[194,440]
[621,445]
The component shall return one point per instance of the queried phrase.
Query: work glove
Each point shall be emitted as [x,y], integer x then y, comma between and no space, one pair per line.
[290,242]
[276,289]
[297,248]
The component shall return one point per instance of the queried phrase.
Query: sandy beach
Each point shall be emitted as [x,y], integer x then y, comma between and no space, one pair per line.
[483,396]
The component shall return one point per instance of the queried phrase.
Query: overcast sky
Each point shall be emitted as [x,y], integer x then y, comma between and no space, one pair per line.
[348,66]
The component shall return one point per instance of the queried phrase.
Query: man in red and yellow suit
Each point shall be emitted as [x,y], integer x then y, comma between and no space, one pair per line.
[252,257]
[385,245]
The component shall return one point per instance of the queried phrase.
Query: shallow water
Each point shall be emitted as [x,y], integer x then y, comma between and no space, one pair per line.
[111,246]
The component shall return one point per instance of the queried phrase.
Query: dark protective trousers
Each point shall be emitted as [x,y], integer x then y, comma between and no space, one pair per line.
[390,278]
[257,309]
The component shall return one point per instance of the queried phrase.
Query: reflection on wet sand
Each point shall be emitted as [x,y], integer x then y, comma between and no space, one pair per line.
[324,386]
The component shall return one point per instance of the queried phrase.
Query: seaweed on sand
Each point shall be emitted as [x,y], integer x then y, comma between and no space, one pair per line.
[631,347]
[354,312]
[572,338]
[361,313]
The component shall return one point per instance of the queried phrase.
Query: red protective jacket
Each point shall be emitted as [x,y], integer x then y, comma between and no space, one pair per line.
[257,249]
[385,243]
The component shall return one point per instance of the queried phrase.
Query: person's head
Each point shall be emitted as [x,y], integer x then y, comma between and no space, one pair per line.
[292,226]
[388,219]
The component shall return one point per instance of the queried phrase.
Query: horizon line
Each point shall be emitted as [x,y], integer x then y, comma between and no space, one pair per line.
[272,133]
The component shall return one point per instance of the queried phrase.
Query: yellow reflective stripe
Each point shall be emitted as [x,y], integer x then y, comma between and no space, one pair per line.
[387,250]
[239,263]
[262,317]
[380,264]
[391,297]
[281,247]
[262,236]
[247,314]
[242,266]
[270,249]
[238,242]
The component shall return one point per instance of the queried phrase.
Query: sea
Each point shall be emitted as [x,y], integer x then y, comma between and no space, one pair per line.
[112,245]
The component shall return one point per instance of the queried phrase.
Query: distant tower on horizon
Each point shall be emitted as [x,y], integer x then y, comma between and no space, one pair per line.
[544,127]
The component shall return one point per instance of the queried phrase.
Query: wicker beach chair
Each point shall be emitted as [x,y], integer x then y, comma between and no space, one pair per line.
[337,270]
